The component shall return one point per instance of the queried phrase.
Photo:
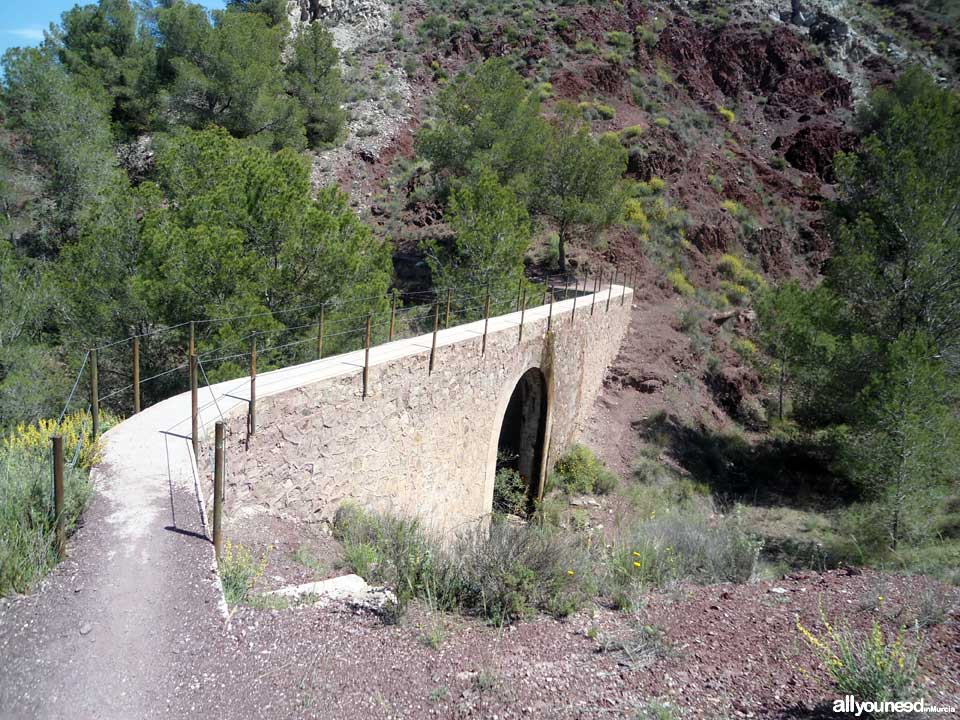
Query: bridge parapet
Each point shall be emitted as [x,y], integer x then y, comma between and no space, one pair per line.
[420,442]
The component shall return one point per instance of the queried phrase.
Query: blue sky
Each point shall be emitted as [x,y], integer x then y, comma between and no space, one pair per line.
[22,22]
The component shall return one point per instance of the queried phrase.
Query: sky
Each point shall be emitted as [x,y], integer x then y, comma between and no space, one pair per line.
[22,22]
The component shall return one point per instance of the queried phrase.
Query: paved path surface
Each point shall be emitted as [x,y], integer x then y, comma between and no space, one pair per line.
[120,628]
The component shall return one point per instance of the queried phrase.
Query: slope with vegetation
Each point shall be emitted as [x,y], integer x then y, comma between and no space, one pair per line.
[785,405]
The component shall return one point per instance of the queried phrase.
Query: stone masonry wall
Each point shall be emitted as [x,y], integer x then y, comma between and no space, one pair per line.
[419,443]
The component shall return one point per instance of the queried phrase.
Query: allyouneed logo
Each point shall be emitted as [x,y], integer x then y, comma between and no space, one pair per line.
[849,704]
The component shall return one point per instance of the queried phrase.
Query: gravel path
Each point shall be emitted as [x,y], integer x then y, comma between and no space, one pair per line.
[110,632]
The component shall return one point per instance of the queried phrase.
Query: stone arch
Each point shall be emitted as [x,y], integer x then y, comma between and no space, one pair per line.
[520,430]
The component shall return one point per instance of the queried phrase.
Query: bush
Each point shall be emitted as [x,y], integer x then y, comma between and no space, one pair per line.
[867,666]
[580,471]
[509,493]
[680,283]
[733,268]
[27,524]
[681,546]
[239,573]
[727,114]
[634,214]
[504,575]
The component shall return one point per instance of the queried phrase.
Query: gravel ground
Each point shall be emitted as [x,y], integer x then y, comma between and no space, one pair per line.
[727,651]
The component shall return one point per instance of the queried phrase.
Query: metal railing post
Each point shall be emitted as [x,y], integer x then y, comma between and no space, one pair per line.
[446,323]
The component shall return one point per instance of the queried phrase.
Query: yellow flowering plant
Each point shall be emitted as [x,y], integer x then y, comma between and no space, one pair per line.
[871,666]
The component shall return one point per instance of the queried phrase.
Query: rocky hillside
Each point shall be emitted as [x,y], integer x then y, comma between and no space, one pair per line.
[737,107]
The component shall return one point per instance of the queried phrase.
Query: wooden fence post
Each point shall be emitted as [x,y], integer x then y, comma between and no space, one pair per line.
[576,290]
[446,323]
[366,357]
[136,375]
[436,326]
[94,394]
[597,282]
[320,333]
[194,408]
[218,450]
[523,310]
[550,312]
[610,288]
[486,322]
[252,410]
[393,317]
[58,516]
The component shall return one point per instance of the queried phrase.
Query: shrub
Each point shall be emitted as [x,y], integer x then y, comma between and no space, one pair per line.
[503,575]
[509,493]
[634,214]
[866,665]
[75,429]
[585,47]
[733,268]
[27,524]
[239,573]
[726,114]
[620,40]
[580,471]
[517,569]
[682,546]
[597,110]
[744,348]
[662,122]
[737,294]
[716,182]
[632,132]
[680,283]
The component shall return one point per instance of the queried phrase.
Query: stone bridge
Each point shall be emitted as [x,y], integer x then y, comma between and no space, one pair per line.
[119,629]
[420,441]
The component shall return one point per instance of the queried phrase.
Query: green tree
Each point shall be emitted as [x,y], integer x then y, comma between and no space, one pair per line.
[798,329]
[229,74]
[875,348]
[491,235]
[897,220]
[105,48]
[275,10]
[487,118]
[909,444]
[313,75]
[581,178]
[31,379]
[66,133]
[241,235]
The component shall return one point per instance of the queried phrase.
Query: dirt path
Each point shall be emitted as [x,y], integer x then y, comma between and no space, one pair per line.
[110,633]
